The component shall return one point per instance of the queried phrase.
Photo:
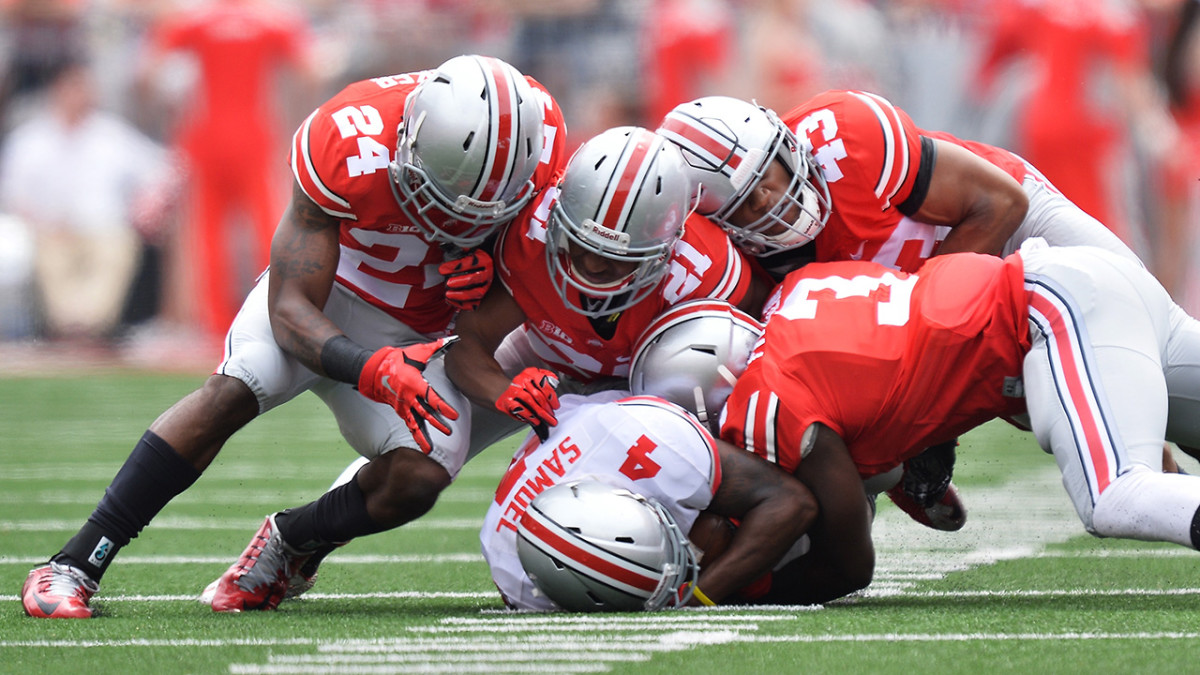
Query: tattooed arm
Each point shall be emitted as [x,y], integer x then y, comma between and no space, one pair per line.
[304,259]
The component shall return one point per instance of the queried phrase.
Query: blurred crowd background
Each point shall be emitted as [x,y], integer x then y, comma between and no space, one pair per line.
[144,143]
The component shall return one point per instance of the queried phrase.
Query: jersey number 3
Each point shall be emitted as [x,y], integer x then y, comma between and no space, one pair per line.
[890,310]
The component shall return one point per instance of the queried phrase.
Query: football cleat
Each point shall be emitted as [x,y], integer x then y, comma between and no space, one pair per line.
[948,514]
[303,579]
[58,591]
[262,576]
[928,475]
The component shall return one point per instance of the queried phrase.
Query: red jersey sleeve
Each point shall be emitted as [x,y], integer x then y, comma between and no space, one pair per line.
[874,157]
[870,152]
[341,152]
[866,146]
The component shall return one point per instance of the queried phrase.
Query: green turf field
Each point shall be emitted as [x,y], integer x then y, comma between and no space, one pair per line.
[1019,589]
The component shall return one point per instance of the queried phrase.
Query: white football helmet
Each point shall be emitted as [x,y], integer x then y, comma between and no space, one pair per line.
[693,354]
[728,144]
[624,197]
[471,139]
[591,547]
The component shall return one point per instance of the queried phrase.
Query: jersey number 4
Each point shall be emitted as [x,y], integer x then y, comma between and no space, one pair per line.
[638,464]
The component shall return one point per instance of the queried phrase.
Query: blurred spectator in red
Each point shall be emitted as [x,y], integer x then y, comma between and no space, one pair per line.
[795,49]
[783,59]
[73,175]
[229,134]
[1181,171]
[689,47]
[1092,84]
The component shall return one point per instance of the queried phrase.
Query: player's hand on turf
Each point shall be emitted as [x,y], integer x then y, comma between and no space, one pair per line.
[467,279]
[393,376]
[531,398]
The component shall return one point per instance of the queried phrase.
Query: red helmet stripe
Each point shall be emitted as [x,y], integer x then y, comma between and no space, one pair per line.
[683,311]
[641,150]
[693,135]
[569,553]
[505,124]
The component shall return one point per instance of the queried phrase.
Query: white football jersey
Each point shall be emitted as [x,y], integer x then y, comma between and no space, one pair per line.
[642,444]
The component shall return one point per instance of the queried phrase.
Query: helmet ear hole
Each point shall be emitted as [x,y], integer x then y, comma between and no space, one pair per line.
[471,139]
[591,547]
[624,197]
[692,355]
[730,145]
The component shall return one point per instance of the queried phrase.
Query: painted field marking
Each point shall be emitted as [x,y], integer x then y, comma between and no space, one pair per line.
[189,523]
[1008,522]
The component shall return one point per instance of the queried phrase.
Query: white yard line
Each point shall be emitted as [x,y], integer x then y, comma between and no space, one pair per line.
[1006,522]
[169,522]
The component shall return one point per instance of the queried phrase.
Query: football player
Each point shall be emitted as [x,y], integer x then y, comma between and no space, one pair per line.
[398,182]
[897,195]
[1082,339]
[589,268]
[593,517]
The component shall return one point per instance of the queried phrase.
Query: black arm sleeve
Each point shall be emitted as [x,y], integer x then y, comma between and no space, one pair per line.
[343,359]
[921,185]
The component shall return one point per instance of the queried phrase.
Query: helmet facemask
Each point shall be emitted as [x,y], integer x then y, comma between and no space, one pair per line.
[802,209]
[729,145]
[600,299]
[468,147]
[624,198]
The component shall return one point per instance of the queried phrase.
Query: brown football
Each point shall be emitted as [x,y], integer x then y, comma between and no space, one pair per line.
[711,534]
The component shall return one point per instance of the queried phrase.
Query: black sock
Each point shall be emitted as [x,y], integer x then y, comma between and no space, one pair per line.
[337,517]
[1195,531]
[152,476]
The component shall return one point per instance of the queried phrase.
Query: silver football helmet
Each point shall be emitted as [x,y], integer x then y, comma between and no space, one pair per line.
[591,547]
[693,354]
[728,144]
[624,198]
[471,139]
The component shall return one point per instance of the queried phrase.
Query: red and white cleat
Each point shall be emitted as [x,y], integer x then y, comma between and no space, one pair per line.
[261,577]
[58,591]
[948,514]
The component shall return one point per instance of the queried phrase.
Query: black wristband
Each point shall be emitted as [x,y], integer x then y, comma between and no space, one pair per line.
[343,359]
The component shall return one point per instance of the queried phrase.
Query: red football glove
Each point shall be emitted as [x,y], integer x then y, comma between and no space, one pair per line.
[531,399]
[467,279]
[393,376]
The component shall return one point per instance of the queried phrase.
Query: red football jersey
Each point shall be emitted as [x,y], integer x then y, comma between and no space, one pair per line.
[871,155]
[892,362]
[704,264]
[237,46]
[340,158]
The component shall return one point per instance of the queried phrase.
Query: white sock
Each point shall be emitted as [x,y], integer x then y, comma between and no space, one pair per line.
[1150,506]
